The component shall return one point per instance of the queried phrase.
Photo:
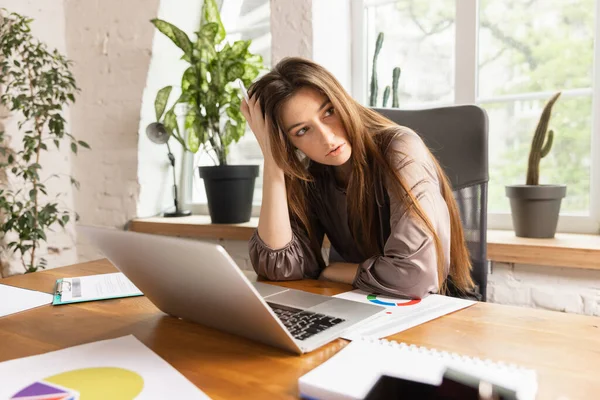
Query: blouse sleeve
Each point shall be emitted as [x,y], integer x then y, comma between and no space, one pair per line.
[296,260]
[408,267]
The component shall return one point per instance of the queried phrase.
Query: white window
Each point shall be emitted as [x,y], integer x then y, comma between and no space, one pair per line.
[509,57]
[243,20]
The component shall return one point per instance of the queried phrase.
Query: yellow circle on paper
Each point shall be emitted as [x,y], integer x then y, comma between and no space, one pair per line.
[101,383]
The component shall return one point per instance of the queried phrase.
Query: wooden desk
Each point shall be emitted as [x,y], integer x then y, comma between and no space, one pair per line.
[563,348]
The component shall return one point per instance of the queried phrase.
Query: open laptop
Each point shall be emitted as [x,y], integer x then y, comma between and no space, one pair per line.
[200,282]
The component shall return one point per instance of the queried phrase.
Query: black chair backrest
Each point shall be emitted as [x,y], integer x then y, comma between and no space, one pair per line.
[458,137]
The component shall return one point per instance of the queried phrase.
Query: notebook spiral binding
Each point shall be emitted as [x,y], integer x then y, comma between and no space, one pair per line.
[446,355]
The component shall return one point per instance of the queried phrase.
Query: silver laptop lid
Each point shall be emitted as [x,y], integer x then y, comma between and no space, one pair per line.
[192,280]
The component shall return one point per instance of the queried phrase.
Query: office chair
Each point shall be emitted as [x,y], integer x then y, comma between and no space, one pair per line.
[458,137]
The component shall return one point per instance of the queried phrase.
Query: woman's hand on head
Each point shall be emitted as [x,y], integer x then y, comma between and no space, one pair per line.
[259,125]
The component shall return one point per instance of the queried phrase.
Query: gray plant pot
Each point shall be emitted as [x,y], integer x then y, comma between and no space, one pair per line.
[535,209]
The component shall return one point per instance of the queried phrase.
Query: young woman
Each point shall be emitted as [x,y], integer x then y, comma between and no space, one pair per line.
[337,168]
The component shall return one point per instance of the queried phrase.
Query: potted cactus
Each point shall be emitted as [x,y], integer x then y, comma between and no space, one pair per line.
[374,87]
[535,208]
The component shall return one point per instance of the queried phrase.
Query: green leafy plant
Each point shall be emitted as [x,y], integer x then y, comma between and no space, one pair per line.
[375,82]
[208,85]
[541,144]
[35,85]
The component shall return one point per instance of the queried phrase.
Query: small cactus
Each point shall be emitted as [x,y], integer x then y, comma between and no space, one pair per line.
[540,146]
[386,95]
[374,84]
[395,77]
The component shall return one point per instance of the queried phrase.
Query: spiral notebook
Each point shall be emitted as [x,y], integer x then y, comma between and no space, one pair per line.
[353,371]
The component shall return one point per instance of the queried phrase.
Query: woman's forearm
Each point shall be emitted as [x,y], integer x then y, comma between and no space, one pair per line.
[340,272]
[274,223]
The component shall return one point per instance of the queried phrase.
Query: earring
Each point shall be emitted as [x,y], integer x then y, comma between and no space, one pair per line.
[301,156]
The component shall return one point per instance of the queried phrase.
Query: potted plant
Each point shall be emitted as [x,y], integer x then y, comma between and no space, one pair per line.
[374,87]
[213,120]
[535,208]
[35,85]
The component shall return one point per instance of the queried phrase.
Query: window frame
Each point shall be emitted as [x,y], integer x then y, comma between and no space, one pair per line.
[465,92]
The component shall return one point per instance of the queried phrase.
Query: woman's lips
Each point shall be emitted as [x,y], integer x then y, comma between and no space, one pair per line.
[336,151]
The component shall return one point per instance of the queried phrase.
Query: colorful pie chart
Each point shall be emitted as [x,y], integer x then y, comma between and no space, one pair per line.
[373,299]
[85,384]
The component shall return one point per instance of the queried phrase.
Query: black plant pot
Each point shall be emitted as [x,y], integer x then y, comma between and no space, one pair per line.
[229,190]
[535,209]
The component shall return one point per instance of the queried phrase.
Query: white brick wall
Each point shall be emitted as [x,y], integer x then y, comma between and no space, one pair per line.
[553,288]
[291,29]
[110,43]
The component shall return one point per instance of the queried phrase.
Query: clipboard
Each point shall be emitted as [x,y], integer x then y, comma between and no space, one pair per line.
[93,288]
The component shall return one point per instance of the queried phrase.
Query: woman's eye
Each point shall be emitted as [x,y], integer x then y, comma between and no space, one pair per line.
[301,132]
[329,112]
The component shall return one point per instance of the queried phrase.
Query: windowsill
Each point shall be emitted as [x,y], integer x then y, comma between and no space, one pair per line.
[565,250]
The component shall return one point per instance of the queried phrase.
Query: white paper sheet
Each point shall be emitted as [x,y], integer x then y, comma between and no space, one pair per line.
[400,314]
[14,300]
[122,368]
[98,287]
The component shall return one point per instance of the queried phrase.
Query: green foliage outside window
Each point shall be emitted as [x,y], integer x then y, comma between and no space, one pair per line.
[526,47]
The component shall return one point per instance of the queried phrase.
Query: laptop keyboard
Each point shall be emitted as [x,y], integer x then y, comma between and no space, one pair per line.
[303,324]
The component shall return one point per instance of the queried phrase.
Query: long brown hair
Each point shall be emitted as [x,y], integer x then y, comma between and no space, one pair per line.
[370,135]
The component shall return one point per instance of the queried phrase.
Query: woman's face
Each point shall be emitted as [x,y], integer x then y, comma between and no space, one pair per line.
[314,127]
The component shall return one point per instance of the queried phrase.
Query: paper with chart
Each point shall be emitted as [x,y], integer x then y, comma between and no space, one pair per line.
[14,300]
[117,369]
[400,314]
[96,287]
